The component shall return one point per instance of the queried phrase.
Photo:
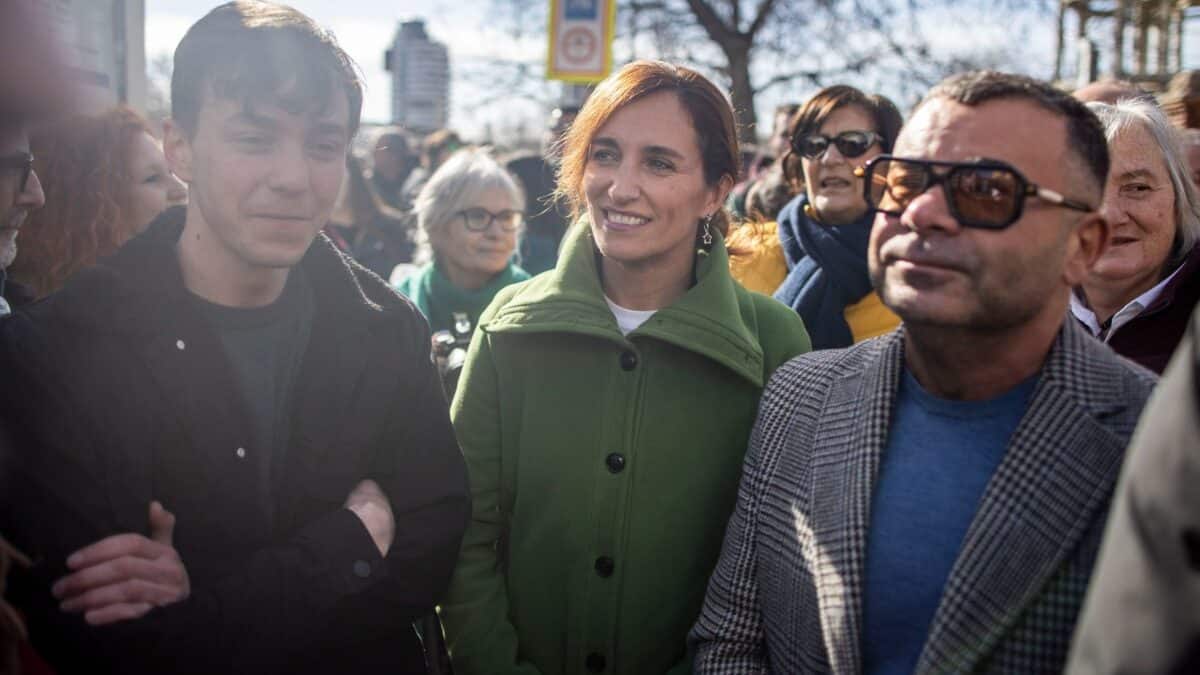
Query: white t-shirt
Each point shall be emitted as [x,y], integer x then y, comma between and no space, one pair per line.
[628,320]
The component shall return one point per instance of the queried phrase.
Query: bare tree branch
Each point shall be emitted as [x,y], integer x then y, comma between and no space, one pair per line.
[761,14]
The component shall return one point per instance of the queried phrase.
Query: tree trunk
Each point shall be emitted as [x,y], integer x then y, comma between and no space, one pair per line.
[741,91]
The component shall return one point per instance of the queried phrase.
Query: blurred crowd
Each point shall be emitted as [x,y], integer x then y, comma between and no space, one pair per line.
[891,392]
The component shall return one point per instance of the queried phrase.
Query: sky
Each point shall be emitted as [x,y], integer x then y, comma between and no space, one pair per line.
[366,28]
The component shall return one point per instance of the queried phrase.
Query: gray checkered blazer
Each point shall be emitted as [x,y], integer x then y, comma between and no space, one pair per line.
[785,597]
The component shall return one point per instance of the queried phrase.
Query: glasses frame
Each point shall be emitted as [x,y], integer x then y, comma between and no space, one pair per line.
[1025,189]
[492,218]
[872,138]
[22,161]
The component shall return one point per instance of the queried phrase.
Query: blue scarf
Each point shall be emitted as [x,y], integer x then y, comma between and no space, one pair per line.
[827,271]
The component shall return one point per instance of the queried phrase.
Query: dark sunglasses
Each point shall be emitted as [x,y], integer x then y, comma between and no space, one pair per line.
[985,194]
[849,143]
[480,219]
[22,161]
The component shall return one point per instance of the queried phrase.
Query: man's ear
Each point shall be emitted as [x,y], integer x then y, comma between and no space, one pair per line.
[1089,242]
[178,149]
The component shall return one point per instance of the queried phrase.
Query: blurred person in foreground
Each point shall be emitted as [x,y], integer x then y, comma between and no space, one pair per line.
[20,194]
[824,230]
[229,450]
[1140,294]
[933,501]
[469,213]
[601,396]
[1140,615]
[33,85]
[105,179]
[364,227]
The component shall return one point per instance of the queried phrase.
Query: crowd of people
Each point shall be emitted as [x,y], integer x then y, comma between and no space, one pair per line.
[880,397]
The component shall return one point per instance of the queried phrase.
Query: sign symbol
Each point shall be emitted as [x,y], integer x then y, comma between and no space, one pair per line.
[578,45]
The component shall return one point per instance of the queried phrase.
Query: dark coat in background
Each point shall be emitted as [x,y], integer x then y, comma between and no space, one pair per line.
[117,392]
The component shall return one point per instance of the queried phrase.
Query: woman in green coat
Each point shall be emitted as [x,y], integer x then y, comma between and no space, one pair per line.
[606,405]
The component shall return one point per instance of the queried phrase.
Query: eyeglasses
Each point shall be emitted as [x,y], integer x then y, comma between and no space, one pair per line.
[22,161]
[849,143]
[480,219]
[986,194]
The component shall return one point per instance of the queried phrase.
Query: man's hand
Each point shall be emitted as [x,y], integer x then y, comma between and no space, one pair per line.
[126,575]
[372,507]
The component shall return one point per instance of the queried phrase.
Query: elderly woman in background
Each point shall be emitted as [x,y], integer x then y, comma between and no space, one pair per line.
[1141,292]
[468,214]
[105,179]
[606,405]
[824,231]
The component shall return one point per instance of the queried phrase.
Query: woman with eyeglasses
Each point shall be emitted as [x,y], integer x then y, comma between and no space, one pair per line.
[825,229]
[469,213]
[606,405]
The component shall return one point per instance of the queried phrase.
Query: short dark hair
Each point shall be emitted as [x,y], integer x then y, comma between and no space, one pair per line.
[253,51]
[1085,134]
[809,118]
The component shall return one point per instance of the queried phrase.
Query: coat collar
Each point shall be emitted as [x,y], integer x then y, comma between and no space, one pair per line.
[707,320]
[1052,485]
[140,288]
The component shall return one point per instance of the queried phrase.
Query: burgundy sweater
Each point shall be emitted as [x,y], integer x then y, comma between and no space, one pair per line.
[1151,337]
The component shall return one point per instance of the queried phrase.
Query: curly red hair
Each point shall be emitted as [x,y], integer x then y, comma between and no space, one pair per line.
[83,164]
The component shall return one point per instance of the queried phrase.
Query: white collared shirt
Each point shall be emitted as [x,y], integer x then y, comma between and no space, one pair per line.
[1122,317]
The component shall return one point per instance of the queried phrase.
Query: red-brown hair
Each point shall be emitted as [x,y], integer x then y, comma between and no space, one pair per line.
[709,109]
[83,164]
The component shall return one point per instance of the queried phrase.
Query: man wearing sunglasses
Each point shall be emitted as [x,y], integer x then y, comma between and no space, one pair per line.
[20,193]
[933,500]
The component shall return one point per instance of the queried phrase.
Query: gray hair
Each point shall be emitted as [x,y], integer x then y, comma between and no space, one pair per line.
[1128,112]
[456,185]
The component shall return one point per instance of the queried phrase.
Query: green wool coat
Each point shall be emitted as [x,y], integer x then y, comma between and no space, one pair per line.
[603,468]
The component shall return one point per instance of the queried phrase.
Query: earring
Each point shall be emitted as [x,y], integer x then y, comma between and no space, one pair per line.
[707,237]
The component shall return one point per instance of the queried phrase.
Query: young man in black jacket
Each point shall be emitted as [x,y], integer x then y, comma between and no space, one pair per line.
[227,449]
